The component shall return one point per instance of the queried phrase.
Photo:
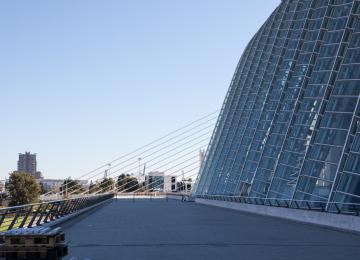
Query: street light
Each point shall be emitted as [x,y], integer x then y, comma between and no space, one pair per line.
[139,160]
[106,171]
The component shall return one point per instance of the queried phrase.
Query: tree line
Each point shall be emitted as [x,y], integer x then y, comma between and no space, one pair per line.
[22,188]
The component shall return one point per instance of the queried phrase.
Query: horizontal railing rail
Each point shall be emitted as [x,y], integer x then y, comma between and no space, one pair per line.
[31,215]
[331,207]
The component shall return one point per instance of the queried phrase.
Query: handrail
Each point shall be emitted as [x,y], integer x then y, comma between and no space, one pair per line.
[50,201]
[36,214]
[316,205]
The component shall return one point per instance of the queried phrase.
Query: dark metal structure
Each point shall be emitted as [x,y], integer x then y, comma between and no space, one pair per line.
[34,243]
[333,207]
[37,214]
[289,128]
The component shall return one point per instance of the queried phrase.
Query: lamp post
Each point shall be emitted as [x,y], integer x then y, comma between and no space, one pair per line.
[139,160]
[107,171]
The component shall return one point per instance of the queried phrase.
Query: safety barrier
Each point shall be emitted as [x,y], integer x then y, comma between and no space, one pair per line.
[331,207]
[31,215]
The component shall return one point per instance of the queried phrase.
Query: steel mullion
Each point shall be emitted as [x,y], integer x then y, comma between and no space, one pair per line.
[321,107]
[244,90]
[211,151]
[298,102]
[342,157]
[260,85]
[267,95]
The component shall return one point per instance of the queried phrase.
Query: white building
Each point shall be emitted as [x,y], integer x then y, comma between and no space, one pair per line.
[51,184]
[170,183]
[159,181]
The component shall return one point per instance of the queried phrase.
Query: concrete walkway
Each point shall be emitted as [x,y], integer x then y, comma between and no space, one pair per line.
[157,229]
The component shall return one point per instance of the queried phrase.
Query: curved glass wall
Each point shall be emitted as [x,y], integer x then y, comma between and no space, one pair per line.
[290,123]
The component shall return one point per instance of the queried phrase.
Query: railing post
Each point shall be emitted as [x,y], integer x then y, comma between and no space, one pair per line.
[76,205]
[287,204]
[3,216]
[43,212]
[26,217]
[70,207]
[13,221]
[64,209]
[337,208]
[57,210]
[49,212]
[297,205]
[34,216]
[87,200]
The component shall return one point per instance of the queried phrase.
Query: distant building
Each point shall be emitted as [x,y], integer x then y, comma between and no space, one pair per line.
[185,185]
[51,184]
[55,184]
[38,175]
[27,163]
[154,181]
[169,183]
[159,181]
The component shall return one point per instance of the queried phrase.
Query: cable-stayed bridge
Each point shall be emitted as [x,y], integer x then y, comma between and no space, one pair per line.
[132,221]
[177,154]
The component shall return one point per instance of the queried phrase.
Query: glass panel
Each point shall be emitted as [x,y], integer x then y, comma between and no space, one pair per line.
[333,120]
[350,183]
[319,170]
[341,104]
[330,136]
[353,163]
[349,87]
[325,153]
[314,186]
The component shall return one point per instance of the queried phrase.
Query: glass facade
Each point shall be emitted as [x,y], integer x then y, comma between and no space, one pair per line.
[289,127]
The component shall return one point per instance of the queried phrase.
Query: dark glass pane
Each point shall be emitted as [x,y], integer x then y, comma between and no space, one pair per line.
[330,136]
[353,163]
[350,183]
[325,153]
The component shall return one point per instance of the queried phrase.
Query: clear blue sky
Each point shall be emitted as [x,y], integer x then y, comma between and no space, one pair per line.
[83,81]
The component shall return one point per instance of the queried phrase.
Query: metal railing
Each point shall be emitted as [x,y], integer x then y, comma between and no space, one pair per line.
[31,215]
[331,207]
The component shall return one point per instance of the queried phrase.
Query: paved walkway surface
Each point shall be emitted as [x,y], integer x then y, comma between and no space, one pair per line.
[160,229]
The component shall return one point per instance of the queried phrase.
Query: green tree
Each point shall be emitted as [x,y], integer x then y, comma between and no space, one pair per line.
[132,184]
[22,188]
[127,183]
[106,184]
[121,181]
[70,186]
